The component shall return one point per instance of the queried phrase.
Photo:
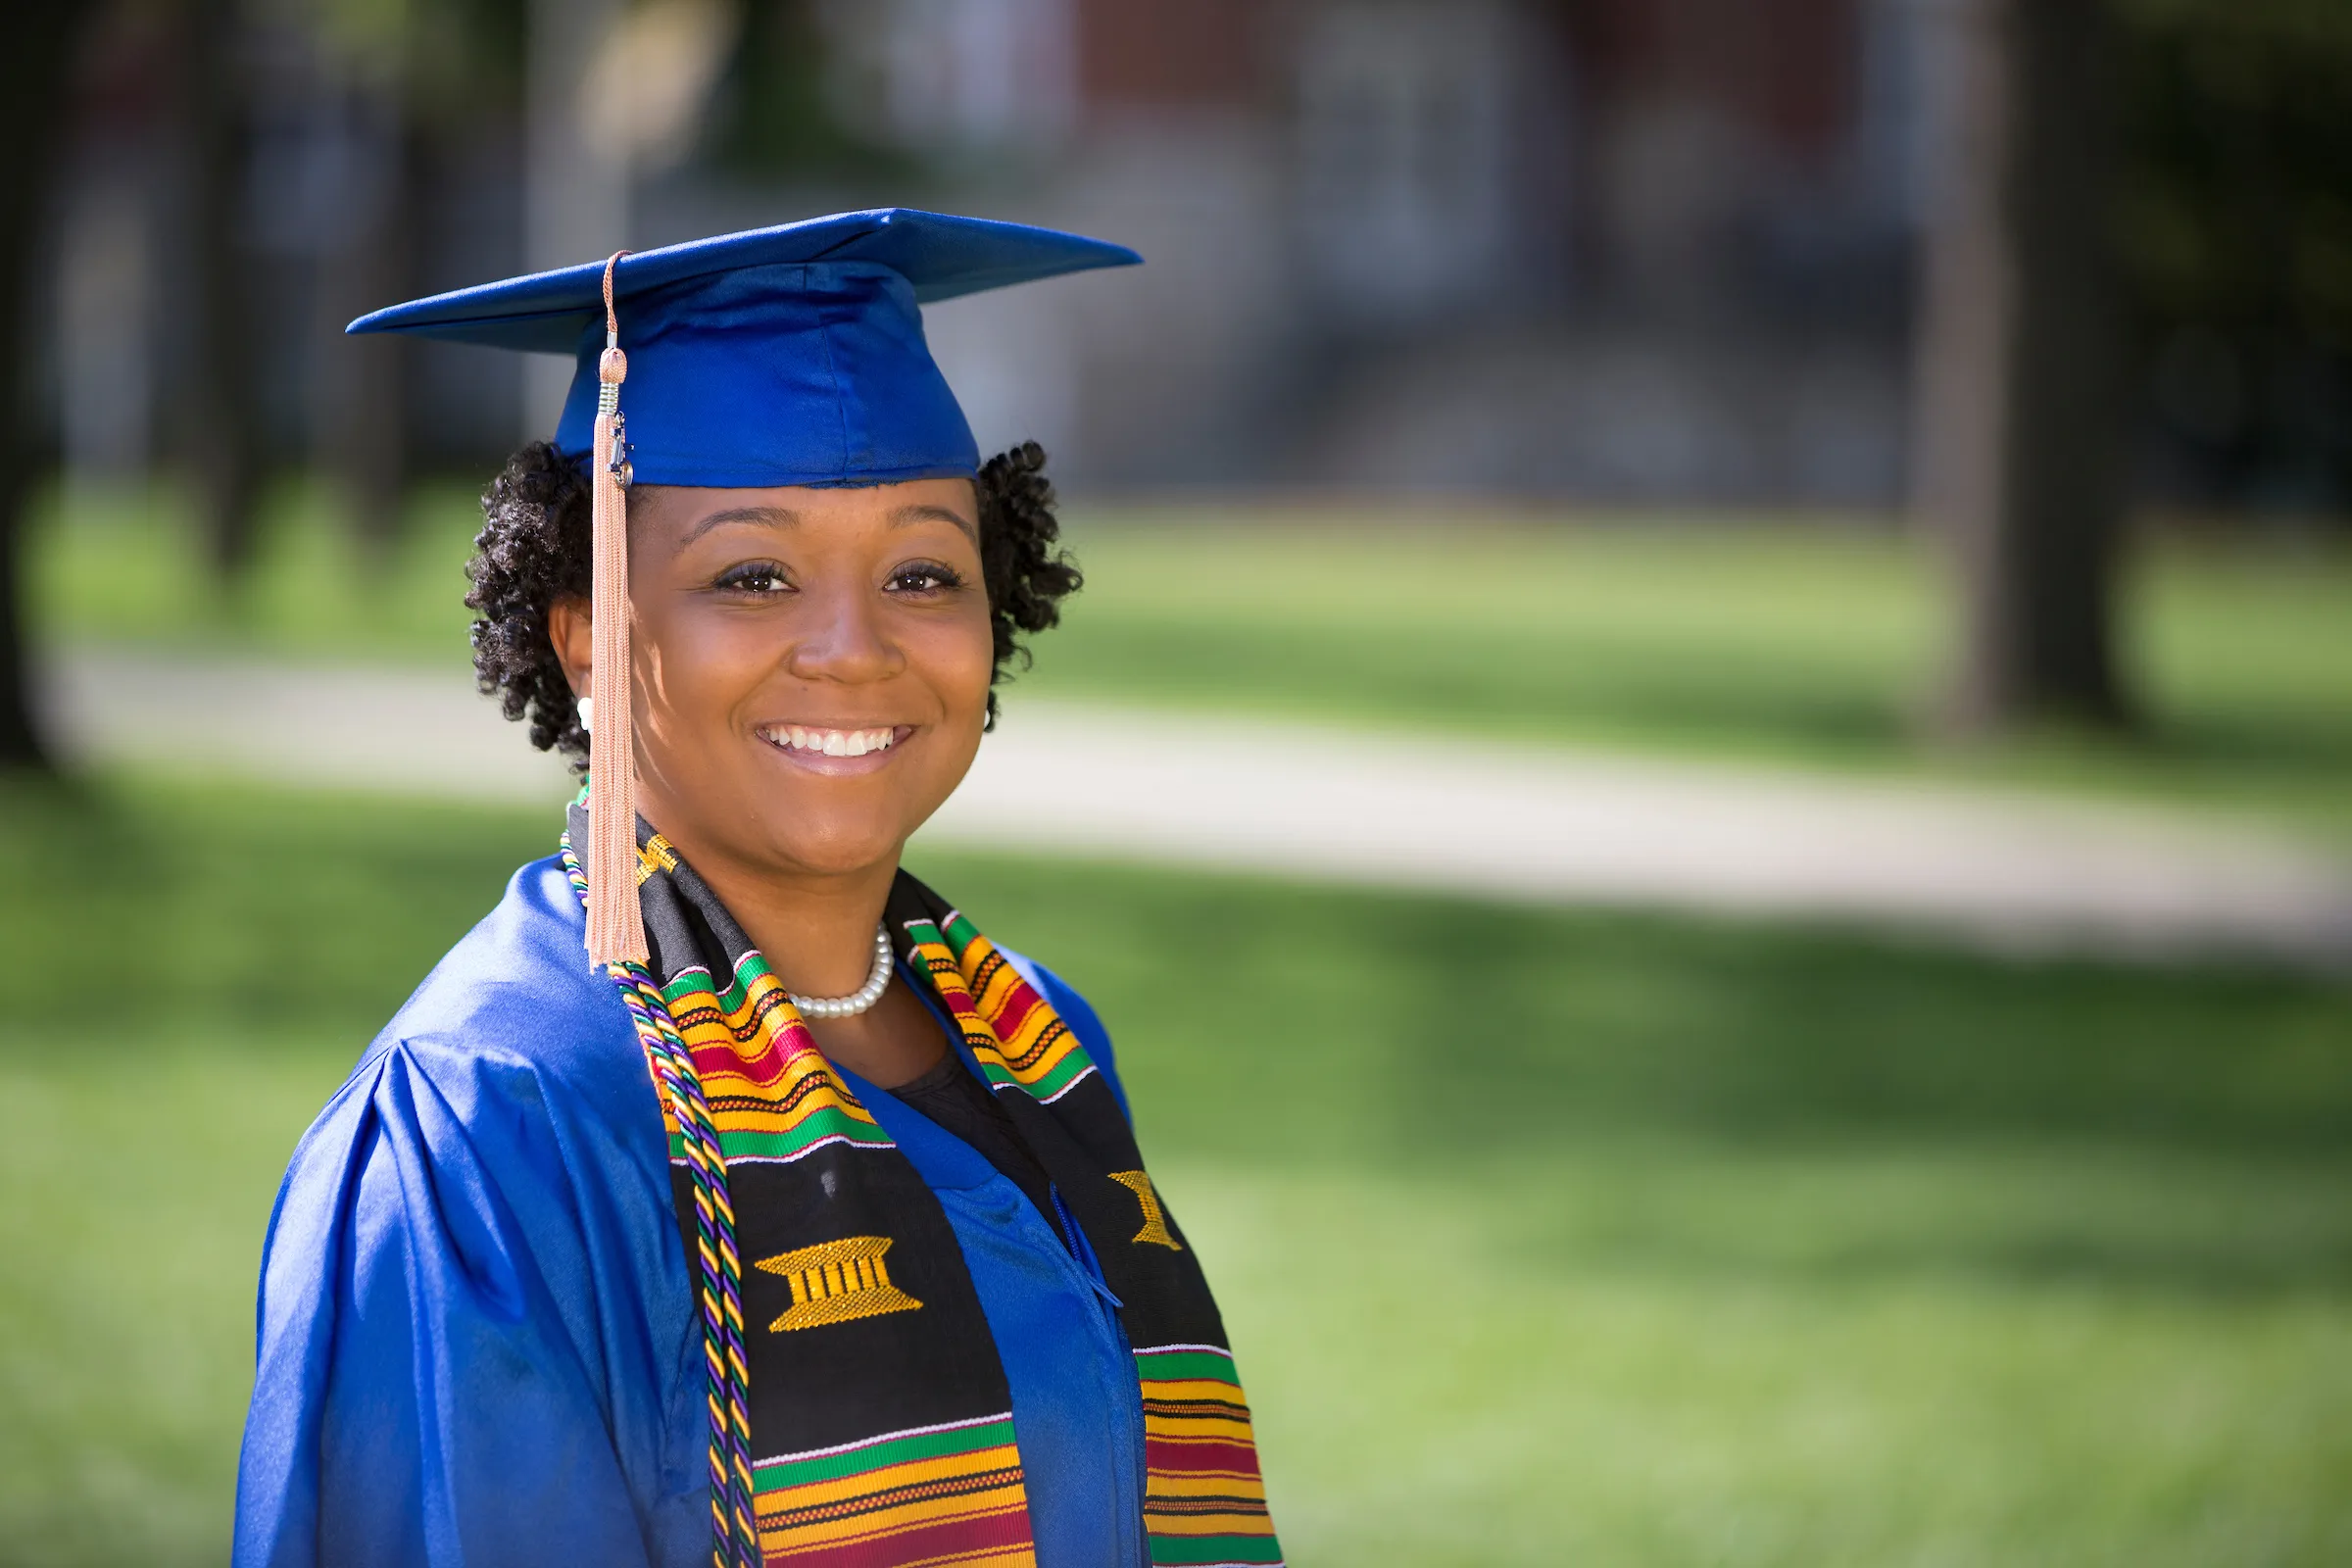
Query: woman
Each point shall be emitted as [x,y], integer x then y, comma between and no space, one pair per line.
[804,1224]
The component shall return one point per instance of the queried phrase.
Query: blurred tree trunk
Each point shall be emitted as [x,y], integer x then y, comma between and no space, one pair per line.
[223,416]
[368,446]
[2020,430]
[35,68]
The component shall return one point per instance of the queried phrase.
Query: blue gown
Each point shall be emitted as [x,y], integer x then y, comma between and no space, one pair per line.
[476,1341]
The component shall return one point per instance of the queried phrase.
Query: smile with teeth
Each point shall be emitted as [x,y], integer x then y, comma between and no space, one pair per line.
[830,742]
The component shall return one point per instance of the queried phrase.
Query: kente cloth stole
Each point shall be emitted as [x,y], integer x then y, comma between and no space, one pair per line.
[880,1421]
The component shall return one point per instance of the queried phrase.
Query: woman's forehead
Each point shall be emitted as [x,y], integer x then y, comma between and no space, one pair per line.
[680,514]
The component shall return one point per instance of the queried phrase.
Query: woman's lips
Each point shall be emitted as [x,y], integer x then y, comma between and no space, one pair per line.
[827,748]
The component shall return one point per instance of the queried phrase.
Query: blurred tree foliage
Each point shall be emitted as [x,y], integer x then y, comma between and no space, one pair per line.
[775,117]
[2235,226]
[460,61]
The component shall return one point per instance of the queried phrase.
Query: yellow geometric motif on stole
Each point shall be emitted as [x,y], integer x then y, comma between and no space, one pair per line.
[1155,1223]
[836,1281]
[655,855]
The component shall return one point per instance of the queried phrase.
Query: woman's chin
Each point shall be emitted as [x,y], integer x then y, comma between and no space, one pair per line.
[815,849]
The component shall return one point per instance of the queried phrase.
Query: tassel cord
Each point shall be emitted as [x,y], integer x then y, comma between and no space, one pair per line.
[615,926]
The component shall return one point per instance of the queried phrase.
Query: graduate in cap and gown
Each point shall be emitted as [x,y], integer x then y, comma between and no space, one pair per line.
[726,1196]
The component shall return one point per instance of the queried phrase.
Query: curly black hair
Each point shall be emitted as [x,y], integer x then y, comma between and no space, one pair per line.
[533,551]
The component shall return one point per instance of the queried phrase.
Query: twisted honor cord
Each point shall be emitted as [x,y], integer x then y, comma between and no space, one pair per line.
[734,1530]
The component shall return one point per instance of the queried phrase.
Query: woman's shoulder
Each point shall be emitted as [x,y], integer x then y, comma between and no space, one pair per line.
[518,986]
[512,1026]
[511,1080]
[519,977]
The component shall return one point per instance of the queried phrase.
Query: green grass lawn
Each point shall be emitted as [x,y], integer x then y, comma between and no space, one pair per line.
[1785,642]
[1543,1237]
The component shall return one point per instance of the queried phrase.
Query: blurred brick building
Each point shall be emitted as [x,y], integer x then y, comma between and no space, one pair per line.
[1643,249]
[1623,248]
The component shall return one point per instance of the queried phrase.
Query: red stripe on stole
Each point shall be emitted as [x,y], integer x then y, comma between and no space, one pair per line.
[1160,1454]
[949,1541]
[954,991]
[1019,1002]
[1013,992]
[763,1067]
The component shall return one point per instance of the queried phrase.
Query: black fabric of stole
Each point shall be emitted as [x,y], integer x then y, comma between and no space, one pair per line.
[846,1382]
[953,1097]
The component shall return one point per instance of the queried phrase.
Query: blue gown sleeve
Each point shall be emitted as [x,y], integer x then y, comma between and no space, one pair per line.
[1079,1013]
[432,1387]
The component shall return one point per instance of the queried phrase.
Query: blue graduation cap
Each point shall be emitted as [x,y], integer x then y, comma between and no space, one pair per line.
[784,356]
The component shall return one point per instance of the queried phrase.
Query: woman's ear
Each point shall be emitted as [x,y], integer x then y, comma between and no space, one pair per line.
[570,632]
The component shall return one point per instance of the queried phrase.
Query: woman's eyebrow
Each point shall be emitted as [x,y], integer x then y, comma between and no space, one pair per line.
[765,516]
[924,511]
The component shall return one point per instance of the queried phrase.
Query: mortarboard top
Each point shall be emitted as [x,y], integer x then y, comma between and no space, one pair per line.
[784,356]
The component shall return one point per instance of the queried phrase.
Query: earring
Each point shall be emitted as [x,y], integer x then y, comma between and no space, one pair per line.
[587,715]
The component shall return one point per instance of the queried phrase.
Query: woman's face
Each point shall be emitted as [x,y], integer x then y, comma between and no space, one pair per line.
[812,666]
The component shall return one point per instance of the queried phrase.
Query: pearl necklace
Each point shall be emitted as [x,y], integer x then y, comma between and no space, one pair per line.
[857,1001]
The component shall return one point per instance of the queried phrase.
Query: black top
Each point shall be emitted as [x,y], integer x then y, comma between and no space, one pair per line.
[962,1104]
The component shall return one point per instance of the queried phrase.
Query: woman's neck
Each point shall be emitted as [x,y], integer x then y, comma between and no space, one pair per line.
[816,932]
[815,929]
[817,936]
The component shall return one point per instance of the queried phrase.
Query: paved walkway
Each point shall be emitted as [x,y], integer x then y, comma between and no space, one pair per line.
[1518,823]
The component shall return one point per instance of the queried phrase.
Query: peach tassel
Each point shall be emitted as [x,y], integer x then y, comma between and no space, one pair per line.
[615,927]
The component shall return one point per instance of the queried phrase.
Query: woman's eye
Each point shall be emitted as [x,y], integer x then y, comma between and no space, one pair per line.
[754,577]
[925,578]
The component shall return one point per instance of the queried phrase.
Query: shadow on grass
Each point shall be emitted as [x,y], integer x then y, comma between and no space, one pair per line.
[1272,1016]
[184,906]
[1477,1029]
[1613,1091]
[1598,1087]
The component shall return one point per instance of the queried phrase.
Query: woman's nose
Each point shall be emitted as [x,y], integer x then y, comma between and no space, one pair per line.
[842,638]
